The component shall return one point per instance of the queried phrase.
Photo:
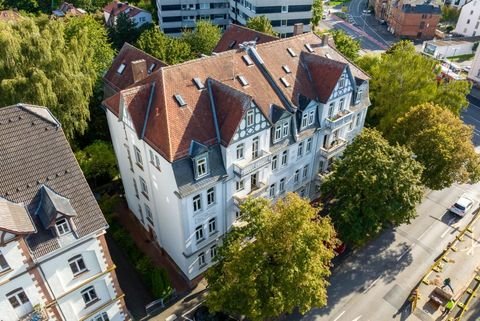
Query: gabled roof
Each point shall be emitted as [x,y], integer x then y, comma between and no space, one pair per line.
[52,204]
[197,148]
[127,55]
[34,152]
[116,7]
[235,34]
[277,113]
[14,218]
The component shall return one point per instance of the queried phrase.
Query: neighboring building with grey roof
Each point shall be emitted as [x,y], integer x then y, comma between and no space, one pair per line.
[52,230]
[195,140]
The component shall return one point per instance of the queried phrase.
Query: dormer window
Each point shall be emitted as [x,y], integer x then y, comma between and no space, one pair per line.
[250,118]
[359,96]
[278,132]
[304,120]
[286,127]
[311,117]
[62,226]
[201,166]
[342,82]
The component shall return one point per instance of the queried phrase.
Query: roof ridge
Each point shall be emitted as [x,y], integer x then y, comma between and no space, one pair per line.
[256,31]
[169,152]
[280,40]
[196,60]
[146,53]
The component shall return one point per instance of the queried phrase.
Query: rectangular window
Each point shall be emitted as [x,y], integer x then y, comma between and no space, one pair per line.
[201,259]
[274,162]
[138,156]
[281,186]
[300,150]
[213,252]
[143,187]
[157,161]
[240,148]
[286,126]
[284,158]
[278,132]
[239,185]
[342,103]
[197,203]
[238,214]
[211,196]
[357,122]
[212,225]
[311,117]
[284,9]
[255,148]
[204,6]
[136,188]
[342,82]
[305,172]
[17,298]
[100,317]
[3,263]
[148,213]
[89,295]
[308,146]
[77,265]
[304,120]
[254,181]
[359,95]
[151,156]
[62,226]
[330,110]
[296,177]
[140,211]
[250,118]
[272,190]
[201,167]
[199,233]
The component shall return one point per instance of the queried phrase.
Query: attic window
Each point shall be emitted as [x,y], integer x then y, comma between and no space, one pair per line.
[198,83]
[232,44]
[291,52]
[286,69]
[328,56]
[121,68]
[247,60]
[62,226]
[243,81]
[180,100]
[285,82]
[152,66]
[309,48]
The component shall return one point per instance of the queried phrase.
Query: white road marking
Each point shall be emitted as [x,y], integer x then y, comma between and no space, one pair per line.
[357,318]
[406,251]
[336,319]
[448,228]
[370,286]
[425,232]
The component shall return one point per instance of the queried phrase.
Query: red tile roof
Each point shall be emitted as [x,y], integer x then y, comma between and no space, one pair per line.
[234,35]
[116,7]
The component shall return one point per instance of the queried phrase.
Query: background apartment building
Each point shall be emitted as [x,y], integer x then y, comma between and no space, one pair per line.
[195,140]
[54,261]
[468,24]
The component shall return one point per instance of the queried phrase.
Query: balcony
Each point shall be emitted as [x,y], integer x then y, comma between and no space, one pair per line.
[256,191]
[339,120]
[334,148]
[246,167]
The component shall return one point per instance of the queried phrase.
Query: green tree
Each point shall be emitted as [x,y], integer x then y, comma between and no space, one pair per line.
[441,142]
[39,66]
[277,261]
[261,24]
[125,30]
[317,13]
[168,49]
[204,38]
[98,161]
[373,185]
[450,15]
[348,46]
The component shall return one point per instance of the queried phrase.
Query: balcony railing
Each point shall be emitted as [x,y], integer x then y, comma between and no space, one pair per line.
[256,191]
[339,120]
[246,167]
[333,149]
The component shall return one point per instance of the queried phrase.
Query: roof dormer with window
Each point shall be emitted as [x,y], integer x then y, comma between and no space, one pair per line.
[199,154]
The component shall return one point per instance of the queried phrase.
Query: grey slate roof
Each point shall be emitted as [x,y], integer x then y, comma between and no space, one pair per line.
[184,176]
[35,152]
[51,205]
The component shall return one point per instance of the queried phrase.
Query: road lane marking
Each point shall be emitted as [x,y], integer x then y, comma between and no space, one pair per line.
[357,318]
[425,232]
[370,286]
[448,228]
[409,249]
[336,319]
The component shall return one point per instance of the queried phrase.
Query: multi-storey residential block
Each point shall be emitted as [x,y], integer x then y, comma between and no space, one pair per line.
[474,73]
[195,140]
[414,19]
[53,254]
[468,23]
[137,15]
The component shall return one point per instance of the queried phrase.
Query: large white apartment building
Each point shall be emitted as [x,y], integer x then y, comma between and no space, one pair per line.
[468,23]
[474,73]
[175,15]
[54,261]
[195,140]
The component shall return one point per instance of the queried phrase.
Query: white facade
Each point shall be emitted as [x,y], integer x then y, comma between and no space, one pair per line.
[140,18]
[474,73]
[456,3]
[440,49]
[468,23]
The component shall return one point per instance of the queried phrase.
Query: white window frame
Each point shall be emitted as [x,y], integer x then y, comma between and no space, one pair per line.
[213,252]
[278,133]
[240,151]
[342,104]
[3,263]
[89,295]
[284,161]
[199,235]
[102,316]
[331,110]
[201,259]
[197,203]
[255,147]
[308,145]
[304,120]
[157,161]
[284,9]
[143,187]
[274,162]
[296,177]
[281,186]
[77,263]
[285,127]
[300,150]
[311,117]
[271,191]
[64,227]
[137,195]
[250,118]
[239,185]
[342,82]
[305,172]
[149,214]
[204,6]
[138,156]
[212,225]
[19,296]
[357,121]
[202,167]
[211,196]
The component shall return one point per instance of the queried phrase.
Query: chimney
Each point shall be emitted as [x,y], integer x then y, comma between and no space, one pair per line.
[139,70]
[325,40]
[297,29]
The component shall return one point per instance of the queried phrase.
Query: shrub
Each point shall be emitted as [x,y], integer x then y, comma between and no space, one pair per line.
[159,283]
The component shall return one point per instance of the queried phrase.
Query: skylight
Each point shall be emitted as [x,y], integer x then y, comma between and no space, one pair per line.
[291,52]
[285,82]
[247,60]
[243,81]
[309,48]
[180,100]
[121,68]
[152,66]
[286,69]
[198,83]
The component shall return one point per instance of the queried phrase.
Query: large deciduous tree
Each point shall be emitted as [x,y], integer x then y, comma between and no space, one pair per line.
[261,24]
[124,30]
[98,161]
[348,46]
[441,142]
[277,261]
[168,49]
[373,185]
[204,38]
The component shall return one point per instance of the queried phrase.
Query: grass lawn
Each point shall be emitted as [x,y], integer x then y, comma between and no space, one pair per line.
[461,58]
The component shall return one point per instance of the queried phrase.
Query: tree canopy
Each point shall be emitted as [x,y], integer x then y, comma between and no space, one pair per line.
[98,161]
[410,86]
[125,30]
[277,261]
[348,46]
[168,49]
[48,63]
[317,13]
[441,142]
[450,14]
[374,184]
[261,24]
[204,38]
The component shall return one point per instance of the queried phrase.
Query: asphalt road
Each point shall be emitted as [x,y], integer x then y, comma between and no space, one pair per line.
[471,115]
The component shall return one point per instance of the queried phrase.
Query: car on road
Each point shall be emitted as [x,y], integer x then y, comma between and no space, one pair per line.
[462,206]
[366,11]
